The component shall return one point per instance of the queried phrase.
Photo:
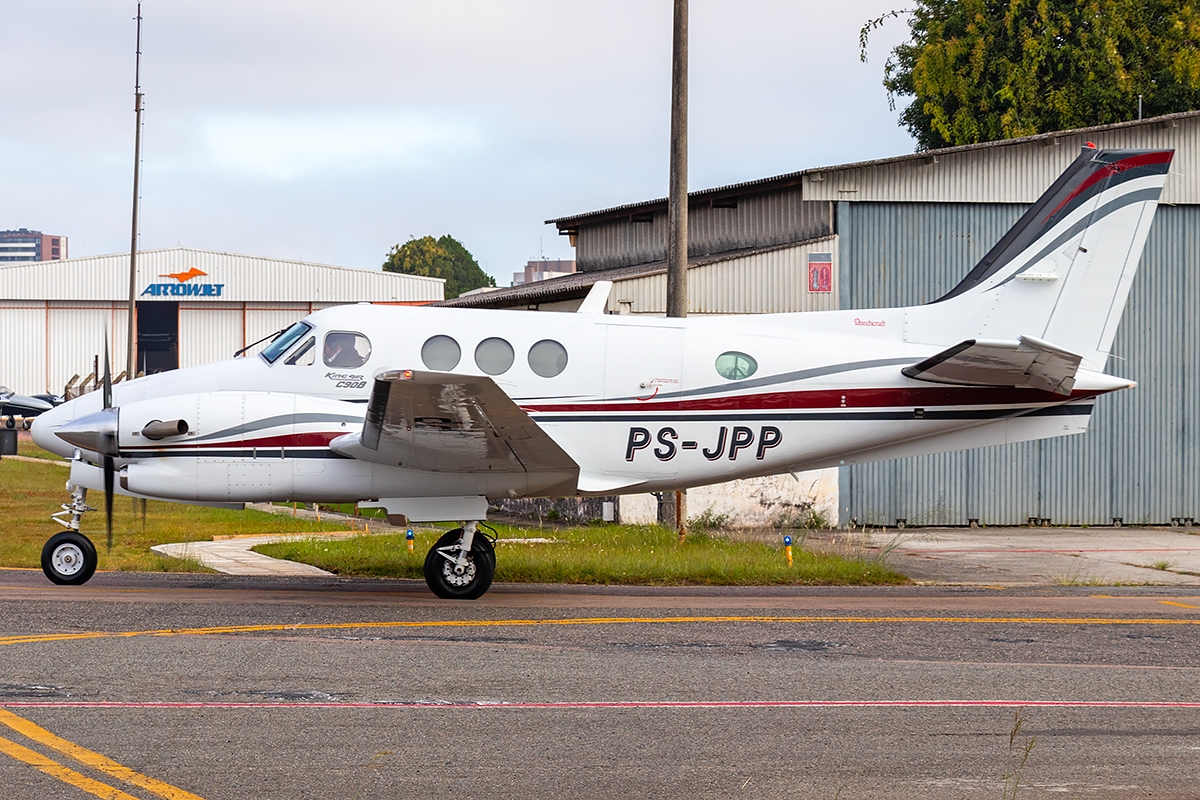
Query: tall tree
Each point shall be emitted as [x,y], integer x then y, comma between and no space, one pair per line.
[982,70]
[439,258]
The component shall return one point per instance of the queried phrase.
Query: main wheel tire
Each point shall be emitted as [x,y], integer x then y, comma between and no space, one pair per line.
[446,583]
[69,558]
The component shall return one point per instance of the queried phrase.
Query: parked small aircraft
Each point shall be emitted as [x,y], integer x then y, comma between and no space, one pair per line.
[429,412]
[14,405]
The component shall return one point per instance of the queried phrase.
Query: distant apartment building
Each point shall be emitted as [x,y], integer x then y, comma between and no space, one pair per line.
[541,270]
[26,245]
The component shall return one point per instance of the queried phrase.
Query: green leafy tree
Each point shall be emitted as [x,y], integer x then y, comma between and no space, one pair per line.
[982,70]
[439,258]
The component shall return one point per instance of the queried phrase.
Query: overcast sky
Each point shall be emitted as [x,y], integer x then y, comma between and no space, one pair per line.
[332,131]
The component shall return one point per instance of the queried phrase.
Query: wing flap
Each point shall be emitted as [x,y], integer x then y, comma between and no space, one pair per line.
[439,422]
[1027,363]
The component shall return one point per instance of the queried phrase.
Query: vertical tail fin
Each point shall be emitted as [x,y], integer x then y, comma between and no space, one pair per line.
[1063,272]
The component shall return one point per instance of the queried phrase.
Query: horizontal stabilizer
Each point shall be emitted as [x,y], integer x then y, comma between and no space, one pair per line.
[1028,363]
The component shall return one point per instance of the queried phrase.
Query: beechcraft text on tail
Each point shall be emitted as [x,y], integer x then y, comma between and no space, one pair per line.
[429,412]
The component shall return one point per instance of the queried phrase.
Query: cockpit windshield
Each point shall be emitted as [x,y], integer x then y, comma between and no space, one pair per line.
[284,341]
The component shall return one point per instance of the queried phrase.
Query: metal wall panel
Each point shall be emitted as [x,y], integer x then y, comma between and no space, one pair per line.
[1138,461]
[1006,172]
[763,283]
[23,354]
[242,279]
[908,254]
[76,336]
[758,221]
[208,334]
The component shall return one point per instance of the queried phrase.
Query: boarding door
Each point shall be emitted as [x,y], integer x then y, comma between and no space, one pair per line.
[642,370]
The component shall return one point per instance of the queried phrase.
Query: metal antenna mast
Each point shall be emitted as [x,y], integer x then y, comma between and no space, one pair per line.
[131,370]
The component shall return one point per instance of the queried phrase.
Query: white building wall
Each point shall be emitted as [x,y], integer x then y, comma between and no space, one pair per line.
[23,346]
[774,501]
[208,333]
[75,334]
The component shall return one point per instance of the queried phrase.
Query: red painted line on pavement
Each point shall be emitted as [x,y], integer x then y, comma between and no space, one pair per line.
[629,704]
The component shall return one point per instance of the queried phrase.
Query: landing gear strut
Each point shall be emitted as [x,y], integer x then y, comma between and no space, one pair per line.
[461,564]
[69,558]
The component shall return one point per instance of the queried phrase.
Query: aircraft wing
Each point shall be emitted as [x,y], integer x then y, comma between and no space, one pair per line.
[450,423]
[1027,363]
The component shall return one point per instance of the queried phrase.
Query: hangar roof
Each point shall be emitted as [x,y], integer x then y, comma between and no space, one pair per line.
[187,274]
[985,172]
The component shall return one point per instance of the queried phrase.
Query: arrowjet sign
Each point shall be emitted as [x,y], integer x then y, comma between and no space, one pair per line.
[184,287]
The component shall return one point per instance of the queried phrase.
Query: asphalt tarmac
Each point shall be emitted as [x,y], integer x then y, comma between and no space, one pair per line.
[200,686]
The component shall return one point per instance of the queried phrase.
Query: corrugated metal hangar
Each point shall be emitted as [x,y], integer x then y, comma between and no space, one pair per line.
[194,307]
[903,231]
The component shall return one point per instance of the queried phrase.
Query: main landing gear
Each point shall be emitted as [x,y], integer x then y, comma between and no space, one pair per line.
[461,565]
[69,558]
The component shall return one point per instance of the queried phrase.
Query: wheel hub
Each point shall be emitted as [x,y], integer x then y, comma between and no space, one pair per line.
[67,559]
[456,575]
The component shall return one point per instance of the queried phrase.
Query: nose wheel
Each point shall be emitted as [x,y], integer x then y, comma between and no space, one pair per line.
[461,565]
[69,558]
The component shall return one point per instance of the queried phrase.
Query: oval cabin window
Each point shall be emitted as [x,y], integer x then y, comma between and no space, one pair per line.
[440,353]
[345,349]
[494,356]
[736,366]
[547,358]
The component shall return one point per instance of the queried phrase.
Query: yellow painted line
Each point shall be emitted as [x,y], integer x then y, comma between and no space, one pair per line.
[93,760]
[510,623]
[1173,603]
[64,774]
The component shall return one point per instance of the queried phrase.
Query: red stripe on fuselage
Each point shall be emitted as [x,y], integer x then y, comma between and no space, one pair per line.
[916,397]
[314,439]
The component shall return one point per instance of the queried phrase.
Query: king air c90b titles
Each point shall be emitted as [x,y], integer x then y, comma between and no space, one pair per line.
[429,412]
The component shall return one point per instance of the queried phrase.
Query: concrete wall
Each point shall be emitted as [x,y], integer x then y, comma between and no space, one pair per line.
[751,503]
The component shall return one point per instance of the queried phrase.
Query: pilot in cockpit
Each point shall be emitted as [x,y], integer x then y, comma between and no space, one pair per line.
[340,352]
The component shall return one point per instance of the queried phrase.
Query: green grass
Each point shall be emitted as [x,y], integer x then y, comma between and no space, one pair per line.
[605,554]
[30,492]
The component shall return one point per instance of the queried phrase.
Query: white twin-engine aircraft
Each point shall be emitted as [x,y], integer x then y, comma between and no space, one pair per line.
[429,412]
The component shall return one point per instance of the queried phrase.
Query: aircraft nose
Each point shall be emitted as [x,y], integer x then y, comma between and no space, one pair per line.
[45,425]
[96,432]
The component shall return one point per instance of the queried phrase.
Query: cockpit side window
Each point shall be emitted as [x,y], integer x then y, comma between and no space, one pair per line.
[284,341]
[346,349]
[304,354]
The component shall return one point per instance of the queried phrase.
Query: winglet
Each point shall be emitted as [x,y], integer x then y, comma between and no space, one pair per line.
[597,299]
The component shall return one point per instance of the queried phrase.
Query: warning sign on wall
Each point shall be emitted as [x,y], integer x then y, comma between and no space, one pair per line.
[820,272]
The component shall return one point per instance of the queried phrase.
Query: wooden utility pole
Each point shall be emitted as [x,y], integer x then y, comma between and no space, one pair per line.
[131,371]
[677,204]
[677,208]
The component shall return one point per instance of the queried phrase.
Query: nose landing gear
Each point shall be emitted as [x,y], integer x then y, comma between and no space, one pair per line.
[461,564]
[69,558]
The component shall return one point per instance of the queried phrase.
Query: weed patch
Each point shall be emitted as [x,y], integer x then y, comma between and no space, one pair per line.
[609,554]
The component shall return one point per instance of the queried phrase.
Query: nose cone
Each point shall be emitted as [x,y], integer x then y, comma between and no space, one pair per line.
[45,425]
[96,432]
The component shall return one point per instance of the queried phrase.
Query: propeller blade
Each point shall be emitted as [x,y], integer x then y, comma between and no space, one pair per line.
[107,377]
[109,471]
